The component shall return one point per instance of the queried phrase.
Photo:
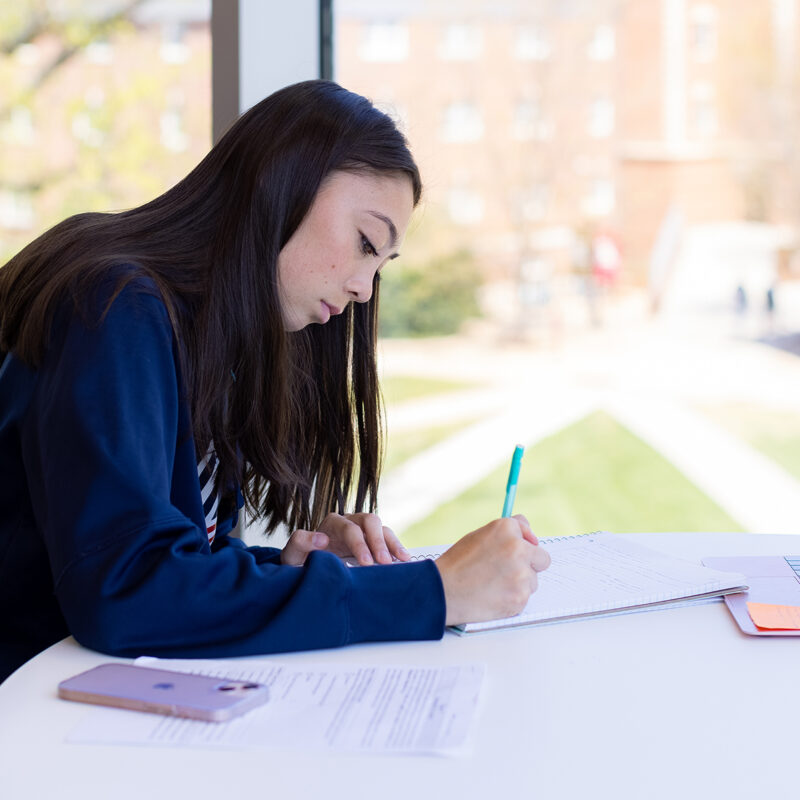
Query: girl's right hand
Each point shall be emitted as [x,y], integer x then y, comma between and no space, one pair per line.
[491,572]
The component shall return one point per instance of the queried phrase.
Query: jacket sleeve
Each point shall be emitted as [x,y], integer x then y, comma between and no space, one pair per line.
[133,573]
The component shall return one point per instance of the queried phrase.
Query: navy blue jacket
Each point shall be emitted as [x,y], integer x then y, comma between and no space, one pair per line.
[102,532]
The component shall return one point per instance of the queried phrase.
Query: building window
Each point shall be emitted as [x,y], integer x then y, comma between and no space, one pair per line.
[535,202]
[83,124]
[704,28]
[28,54]
[601,198]
[601,118]
[100,51]
[461,43]
[16,210]
[384,41]
[173,131]
[703,109]
[84,130]
[19,128]
[532,44]
[174,49]
[603,44]
[466,206]
[462,122]
[529,122]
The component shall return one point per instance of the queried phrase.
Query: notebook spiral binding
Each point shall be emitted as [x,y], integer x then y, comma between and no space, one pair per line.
[546,539]
[424,557]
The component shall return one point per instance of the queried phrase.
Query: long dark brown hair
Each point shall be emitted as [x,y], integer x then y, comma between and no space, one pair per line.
[295,418]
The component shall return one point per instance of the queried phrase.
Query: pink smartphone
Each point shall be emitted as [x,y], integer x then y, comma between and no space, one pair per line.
[161,691]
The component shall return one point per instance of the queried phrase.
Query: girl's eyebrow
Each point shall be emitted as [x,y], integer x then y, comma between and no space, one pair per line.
[389,224]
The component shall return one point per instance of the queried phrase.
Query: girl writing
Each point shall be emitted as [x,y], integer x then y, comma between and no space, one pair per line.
[216,346]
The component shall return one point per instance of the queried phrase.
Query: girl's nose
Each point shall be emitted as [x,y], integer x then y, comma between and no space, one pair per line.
[359,287]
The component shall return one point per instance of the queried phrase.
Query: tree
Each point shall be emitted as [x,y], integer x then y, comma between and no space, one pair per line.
[83,112]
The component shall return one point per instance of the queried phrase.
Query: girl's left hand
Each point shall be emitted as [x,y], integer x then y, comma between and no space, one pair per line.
[362,536]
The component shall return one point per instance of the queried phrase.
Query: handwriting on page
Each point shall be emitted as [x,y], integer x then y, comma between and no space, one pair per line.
[603,573]
[607,574]
[775,617]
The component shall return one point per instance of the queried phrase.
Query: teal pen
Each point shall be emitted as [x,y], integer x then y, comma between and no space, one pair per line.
[513,477]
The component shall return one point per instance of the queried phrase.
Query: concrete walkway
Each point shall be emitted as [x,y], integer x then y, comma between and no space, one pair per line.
[653,377]
[750,487]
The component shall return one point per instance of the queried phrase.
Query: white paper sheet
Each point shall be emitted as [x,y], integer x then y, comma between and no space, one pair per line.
[315,706]
[601,573]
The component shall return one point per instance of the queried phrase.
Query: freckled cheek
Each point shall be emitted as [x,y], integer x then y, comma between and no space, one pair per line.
[331,274]
[328,276]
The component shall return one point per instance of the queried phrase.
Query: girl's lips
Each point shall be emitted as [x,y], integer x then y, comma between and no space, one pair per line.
[332,310]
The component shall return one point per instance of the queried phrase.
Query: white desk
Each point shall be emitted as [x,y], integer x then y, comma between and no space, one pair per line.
[669,704]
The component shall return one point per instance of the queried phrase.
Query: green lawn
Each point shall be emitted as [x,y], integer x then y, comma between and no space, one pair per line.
[775,433]
[401,388]
[593,475]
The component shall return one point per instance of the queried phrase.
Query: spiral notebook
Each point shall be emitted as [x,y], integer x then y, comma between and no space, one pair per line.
[598,574]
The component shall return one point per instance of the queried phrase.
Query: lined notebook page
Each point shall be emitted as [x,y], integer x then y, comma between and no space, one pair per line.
[601,572]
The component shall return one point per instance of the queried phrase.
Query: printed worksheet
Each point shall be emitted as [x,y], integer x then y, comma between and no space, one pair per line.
[345,708]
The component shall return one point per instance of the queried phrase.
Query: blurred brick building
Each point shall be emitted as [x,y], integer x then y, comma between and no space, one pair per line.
[538,124]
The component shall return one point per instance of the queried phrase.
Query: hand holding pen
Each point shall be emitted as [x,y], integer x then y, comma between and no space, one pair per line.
[491,572]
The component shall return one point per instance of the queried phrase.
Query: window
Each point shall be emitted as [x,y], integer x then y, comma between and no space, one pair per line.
[603,44]
[703,109]
[589,118]
[101,132]
[173,132]
[529,123]
[85,131]
[19,128]
[461,43]
[28,54]
[100,51]
[462,122]
[384,41]
[601,199]
[601,118]
[84,122]
[704,32]
[465,206]
[174,49]
[531,44]
[16,210]
[535,202]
